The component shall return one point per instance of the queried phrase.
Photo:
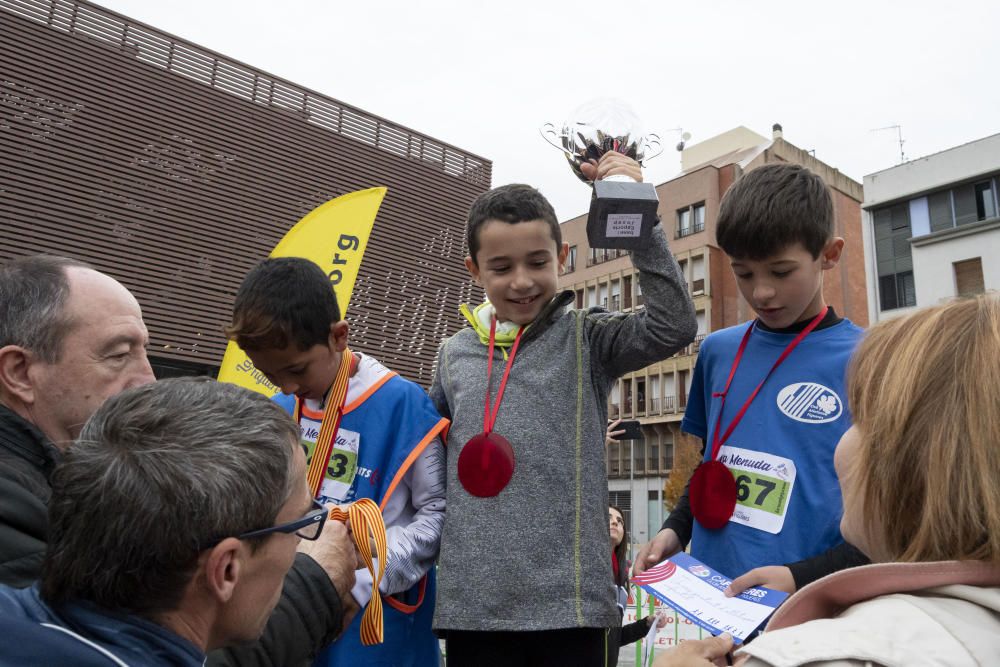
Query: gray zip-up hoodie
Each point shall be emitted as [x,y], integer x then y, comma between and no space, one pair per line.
[537,556]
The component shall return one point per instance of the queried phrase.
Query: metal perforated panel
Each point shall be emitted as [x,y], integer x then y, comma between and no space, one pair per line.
[175,170]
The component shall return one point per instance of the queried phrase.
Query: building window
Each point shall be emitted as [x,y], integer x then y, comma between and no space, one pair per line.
[614,459]
[969,277]
[579,298]
[691,220]
[654,457]
[962,205]
[698,274]
[654,394]
[986,203]
[627,292]
[639,454]
[893,256]
[571,260]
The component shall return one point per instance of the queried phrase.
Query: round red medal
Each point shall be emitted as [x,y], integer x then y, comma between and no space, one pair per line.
[712,494]
[486,465]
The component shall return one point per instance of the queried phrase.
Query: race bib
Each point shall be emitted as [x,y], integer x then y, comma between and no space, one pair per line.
[343,465]
[764,484]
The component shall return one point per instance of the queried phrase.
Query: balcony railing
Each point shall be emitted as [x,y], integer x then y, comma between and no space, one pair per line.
[688,231]
[654,406]
[668,404]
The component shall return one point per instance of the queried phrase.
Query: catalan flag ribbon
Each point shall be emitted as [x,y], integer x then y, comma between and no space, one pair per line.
[367,525]
[331,423]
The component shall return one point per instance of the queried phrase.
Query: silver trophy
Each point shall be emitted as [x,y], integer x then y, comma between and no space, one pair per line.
[622,212]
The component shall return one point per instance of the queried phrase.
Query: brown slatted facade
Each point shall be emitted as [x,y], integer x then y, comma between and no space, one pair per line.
[175,170]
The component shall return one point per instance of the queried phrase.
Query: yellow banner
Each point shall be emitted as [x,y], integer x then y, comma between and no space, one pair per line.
[334,236]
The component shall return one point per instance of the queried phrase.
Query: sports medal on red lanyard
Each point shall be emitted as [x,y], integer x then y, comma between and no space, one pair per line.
[712,491]
[486,463]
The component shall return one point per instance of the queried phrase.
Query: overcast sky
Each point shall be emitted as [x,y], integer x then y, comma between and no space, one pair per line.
[485,76]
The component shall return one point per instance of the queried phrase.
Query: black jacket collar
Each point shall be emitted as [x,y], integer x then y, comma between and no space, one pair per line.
[21,438]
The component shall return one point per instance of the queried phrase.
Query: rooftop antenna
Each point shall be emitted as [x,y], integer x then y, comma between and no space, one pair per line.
[684,137]
[899,136]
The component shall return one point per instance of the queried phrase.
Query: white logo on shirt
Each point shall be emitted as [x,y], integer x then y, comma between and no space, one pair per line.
[810,403]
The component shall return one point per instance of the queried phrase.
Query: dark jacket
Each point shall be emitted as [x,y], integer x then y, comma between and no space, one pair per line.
[308,616]
[26,462]
[80,634]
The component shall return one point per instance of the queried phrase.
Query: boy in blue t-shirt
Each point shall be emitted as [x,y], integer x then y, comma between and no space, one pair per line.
[386,446]
[776,225]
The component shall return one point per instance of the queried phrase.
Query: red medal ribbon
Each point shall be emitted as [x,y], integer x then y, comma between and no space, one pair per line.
[713,489]
[486,463]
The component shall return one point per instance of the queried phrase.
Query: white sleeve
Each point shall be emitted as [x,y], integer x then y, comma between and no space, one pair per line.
[414,517]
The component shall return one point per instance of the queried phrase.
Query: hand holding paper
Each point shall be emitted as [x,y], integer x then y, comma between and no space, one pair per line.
[698,592]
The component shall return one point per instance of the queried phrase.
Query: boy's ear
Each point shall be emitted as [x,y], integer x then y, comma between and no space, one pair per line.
[563,254]
[338,335]
[470,264]
[830,255]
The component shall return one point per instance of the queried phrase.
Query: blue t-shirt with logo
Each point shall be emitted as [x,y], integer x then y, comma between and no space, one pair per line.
[781,453]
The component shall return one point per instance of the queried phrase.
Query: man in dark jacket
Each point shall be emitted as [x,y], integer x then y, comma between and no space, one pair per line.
[174,519]
[70,338]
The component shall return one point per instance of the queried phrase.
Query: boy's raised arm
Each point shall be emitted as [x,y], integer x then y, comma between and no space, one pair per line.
[623,343]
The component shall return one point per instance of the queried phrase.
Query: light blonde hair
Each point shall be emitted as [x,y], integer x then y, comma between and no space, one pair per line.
[924,395]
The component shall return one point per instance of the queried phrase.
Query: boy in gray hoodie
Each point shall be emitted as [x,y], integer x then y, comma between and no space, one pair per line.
[524,567]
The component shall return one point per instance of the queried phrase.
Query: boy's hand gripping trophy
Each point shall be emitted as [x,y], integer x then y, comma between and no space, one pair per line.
[622,212]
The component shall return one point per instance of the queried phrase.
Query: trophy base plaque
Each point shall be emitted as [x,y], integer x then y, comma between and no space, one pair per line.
[622,214]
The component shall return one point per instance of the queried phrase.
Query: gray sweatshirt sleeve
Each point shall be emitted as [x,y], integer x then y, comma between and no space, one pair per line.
[621,343]
[437,391]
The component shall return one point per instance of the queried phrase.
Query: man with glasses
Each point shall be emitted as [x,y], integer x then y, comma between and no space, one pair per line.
[70,338]
[174,519]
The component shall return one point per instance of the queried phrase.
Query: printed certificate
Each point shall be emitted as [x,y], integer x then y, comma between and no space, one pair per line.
[696,591]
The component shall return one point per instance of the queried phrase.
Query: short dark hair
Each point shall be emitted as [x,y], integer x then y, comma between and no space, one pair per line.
[33,294]
[283,300]
[512,204]
[772,207]
[157,472]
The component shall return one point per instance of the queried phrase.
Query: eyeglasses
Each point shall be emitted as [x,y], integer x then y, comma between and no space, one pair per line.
[309,527]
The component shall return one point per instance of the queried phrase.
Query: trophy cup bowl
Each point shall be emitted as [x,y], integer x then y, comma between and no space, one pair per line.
[622,212]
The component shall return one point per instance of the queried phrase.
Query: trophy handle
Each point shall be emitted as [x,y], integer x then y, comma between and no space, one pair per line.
[652,143]
[548,132]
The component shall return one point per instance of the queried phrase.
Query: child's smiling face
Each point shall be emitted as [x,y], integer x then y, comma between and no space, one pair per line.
[518,265]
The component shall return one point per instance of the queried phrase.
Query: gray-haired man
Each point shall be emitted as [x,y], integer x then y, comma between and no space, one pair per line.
[70,338]
[173,522]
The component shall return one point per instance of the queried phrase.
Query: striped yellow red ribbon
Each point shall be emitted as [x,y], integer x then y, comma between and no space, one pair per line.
[331,423]
[367,525]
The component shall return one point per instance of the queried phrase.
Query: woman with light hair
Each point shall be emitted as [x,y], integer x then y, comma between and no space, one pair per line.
[920,475]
